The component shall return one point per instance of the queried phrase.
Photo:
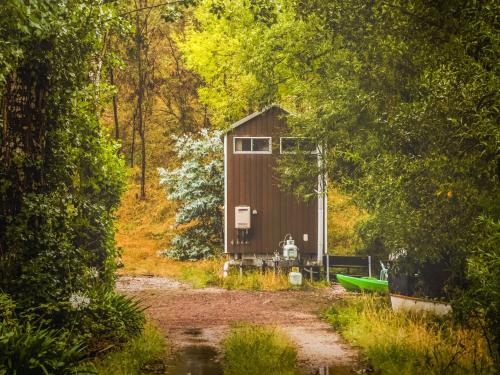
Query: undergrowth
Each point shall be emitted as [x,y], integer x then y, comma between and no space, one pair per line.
[255,350]
[202,273]
[267,280]
[140,354]
[27,349]
[406,343]
[58,338]
[254,280]
[208,273]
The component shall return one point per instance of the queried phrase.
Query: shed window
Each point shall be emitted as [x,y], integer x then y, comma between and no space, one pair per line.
[252,145]
[242,144]
[292,145]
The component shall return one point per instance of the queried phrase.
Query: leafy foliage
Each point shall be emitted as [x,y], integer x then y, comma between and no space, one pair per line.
[482,299]
[27,347]
[198,186]
[28,350]
[104,318]
[60,181]
[60,177]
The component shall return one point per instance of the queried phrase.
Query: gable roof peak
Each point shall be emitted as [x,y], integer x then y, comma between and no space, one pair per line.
[256,114]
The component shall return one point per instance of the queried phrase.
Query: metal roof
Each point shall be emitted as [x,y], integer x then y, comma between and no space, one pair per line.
[255,114]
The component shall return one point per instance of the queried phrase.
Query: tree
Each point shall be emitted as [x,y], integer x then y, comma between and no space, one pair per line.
[142,47]
[157,92]
[198,186]
[60,178]
[60,182]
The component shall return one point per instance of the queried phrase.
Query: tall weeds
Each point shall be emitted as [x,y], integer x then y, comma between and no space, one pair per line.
[139,354]
[405,343]
[256,350]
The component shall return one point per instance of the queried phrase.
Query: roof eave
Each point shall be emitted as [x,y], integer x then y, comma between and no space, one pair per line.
[255,114]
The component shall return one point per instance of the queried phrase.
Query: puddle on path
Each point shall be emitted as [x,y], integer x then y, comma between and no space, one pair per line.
[199,358]
[333,370]
[204,360]
[193,331]
[195,360]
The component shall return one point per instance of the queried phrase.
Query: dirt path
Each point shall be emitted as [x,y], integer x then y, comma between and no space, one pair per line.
[189,316]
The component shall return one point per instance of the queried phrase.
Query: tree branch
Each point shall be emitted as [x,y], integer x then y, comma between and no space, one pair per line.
[151,7]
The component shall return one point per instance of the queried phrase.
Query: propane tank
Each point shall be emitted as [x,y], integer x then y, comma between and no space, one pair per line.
[290,250]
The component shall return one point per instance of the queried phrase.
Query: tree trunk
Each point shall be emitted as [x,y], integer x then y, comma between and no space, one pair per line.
[140,99]
[115,105]
[132,147]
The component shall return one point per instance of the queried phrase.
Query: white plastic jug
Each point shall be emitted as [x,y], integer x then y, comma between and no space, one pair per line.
[295,278]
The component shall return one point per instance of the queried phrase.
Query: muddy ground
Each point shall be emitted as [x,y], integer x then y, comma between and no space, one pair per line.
[189,316]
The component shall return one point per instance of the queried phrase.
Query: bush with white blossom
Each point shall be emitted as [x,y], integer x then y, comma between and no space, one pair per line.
[198,186]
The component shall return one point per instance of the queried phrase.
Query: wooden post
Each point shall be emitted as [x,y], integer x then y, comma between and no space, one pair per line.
[328,268]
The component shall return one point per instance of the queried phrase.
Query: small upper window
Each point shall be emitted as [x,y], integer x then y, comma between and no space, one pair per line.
[292,145]
[252,145]
[242,144]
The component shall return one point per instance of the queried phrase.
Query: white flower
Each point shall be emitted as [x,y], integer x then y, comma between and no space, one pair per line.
[79,301]
[93,272]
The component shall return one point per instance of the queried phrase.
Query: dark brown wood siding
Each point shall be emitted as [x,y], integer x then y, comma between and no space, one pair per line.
[252,181]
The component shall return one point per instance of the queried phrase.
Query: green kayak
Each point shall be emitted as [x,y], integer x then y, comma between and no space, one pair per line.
[366,284]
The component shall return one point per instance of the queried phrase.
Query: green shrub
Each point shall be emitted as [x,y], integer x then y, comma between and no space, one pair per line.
[201,277]
[255,350]
[7,307]
[481,301]
[138,354]
[109,319]
[198,186]
[85,325]
[60,186]
[101,319]
[25,349]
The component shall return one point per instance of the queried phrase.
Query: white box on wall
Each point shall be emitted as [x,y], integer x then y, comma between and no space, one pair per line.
[242,217]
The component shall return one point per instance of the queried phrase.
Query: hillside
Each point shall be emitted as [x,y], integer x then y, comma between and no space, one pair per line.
[144,227]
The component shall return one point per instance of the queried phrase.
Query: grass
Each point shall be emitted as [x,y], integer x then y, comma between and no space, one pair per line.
[200,274]
[405,343]
[268,281]
[256,280]
[145,227]
[254,350]
[138,355]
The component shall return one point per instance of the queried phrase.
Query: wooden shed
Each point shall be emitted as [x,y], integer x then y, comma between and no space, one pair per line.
[258,214]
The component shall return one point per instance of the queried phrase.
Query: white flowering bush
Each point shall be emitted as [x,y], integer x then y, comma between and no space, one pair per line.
[198,186]
[79,301]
